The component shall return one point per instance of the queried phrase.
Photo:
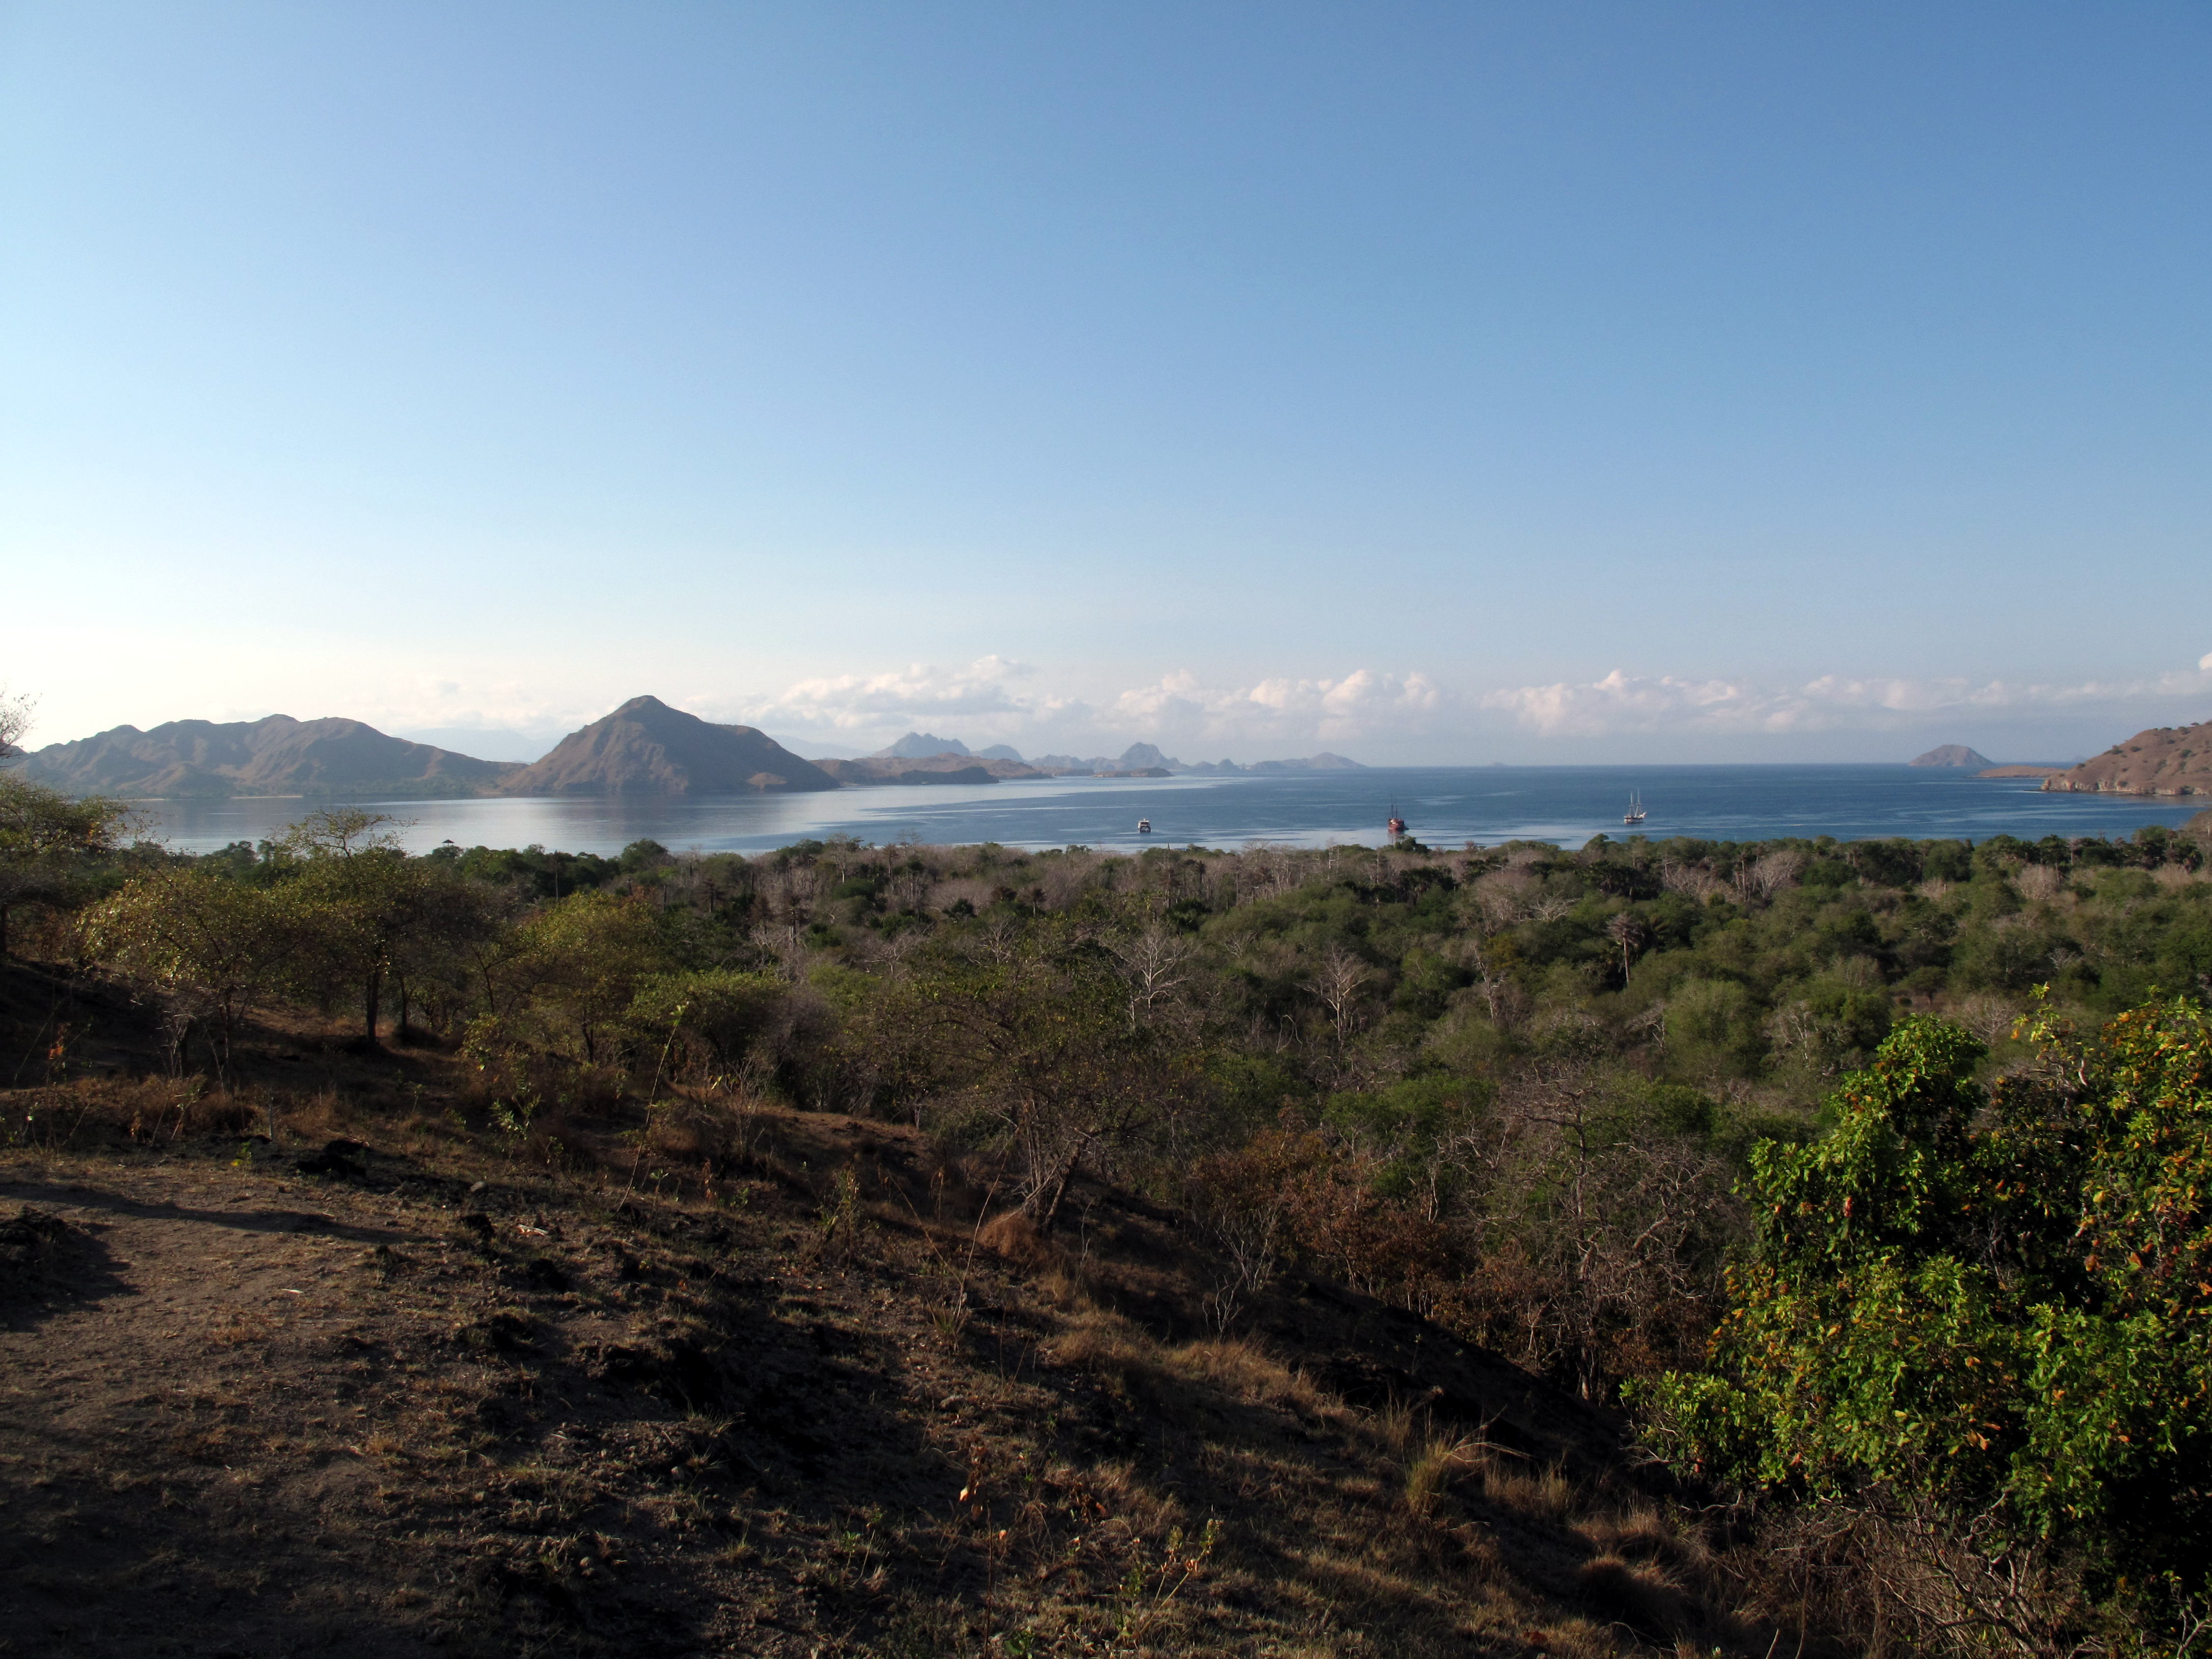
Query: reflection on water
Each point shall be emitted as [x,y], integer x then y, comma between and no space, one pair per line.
[1446,806]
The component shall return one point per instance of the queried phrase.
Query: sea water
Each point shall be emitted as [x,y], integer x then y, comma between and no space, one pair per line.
[1443,806]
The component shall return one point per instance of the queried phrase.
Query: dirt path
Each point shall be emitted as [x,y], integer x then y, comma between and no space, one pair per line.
[183,1414]
[248,1412]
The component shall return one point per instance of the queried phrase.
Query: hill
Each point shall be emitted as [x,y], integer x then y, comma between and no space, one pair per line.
[277,756]
[2166,760]
[647,748]
[1952,754]
[941,767]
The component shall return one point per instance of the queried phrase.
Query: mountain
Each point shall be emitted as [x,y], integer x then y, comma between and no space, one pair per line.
[2166,760]
[919,745]
[647,748]
[1145,760]
[1323,762]
[278,756]
[1952,754]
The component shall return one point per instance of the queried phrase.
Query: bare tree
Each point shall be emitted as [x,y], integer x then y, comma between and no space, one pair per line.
[14,721]
[1248,1226]
[1337,982]
[1764,877]
[1154,965]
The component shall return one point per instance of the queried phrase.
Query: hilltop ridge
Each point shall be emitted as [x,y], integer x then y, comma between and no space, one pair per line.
[274,756]
[645,747]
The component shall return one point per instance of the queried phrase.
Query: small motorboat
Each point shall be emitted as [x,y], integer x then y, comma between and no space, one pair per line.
[1144,826]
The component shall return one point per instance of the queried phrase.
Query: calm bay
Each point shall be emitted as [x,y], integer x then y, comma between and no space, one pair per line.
[1445,806]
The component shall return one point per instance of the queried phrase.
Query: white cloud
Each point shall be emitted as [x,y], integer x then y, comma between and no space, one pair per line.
[987,691]
[2204,662]
[996,699]
[1625,702]
[1180,708]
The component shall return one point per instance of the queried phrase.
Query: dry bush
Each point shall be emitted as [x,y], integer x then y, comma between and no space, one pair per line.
[152,1111]
[2039,883]
[1888,1581]
[979,895]
[1987,1015]
[1014,1238]
[1692,881]
[1065,879]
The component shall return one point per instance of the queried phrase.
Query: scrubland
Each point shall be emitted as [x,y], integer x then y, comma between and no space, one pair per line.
[909,1249]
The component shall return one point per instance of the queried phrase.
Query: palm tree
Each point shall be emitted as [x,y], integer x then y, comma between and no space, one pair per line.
[1627,929]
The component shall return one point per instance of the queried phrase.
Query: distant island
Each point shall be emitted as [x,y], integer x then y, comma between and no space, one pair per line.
[643,748]
[1952,754]
[1957,756]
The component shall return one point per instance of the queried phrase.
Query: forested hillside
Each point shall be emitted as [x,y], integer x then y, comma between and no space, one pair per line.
[1560,1106]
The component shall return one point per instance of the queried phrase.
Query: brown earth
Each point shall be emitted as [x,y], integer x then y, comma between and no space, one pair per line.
[2166,760]
[332,1363]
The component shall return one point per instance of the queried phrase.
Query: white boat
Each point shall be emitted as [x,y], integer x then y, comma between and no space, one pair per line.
[1635,814]
[1144,826]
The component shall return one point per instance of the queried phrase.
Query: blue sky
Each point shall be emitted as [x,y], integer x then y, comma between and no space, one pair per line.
[1432,383]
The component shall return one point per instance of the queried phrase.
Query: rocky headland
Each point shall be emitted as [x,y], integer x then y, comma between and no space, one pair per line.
[2166,760]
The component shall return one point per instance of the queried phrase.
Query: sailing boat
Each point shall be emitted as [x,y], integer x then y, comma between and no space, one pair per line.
[1634,813]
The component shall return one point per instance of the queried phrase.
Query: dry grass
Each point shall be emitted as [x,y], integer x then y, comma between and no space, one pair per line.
[1544,1494]
[1246,1372]
[1435,1462]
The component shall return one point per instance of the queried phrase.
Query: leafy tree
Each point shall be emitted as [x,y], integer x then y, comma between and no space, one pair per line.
[363,913]
[583,959]
[1993,1307]
[723,1010]
[47,841]
[195,931]
[1039,1033]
